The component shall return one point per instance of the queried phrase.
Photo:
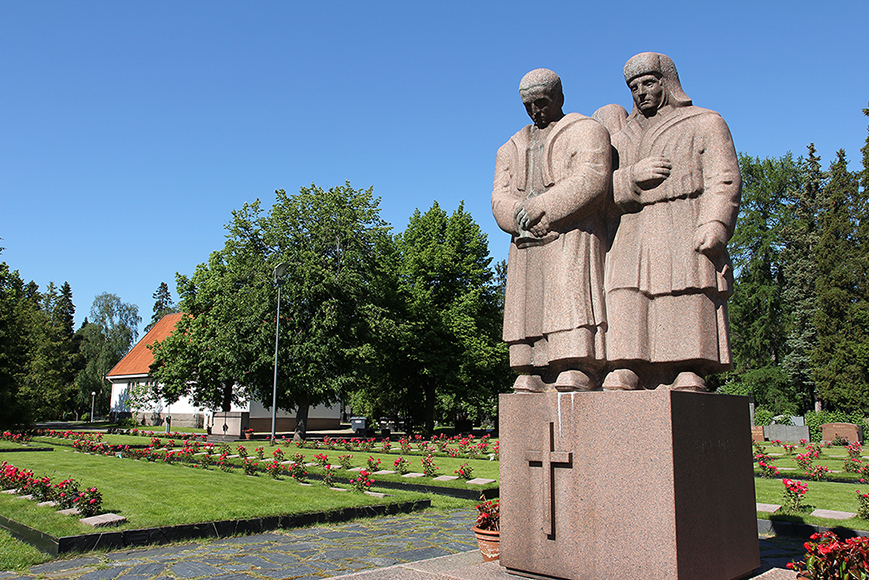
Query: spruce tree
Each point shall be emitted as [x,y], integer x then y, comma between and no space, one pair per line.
[841,315]
[800,239]
[163,305]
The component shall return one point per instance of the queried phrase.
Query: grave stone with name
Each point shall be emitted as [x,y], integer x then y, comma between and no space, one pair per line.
[847,431]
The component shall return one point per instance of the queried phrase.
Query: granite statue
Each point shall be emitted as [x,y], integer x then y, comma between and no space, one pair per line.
[551,189]
[676,190]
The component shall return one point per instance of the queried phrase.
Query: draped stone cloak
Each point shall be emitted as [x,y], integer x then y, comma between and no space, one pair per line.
[667,301]
[555,303]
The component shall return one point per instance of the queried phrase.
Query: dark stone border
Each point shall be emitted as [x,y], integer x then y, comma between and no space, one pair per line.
[168,534]
[27,449]
[801,530]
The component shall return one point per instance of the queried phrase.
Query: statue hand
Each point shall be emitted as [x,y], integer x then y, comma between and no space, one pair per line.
[711,238]
[651,171]
[537,222]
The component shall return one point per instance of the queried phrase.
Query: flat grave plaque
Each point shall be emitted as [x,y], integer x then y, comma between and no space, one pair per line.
[833,515]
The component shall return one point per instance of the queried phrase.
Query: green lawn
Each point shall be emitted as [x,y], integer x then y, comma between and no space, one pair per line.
[156,494]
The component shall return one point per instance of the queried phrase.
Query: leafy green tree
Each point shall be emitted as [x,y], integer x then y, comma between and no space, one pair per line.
[105,340]
[841,358]
[163,305]
[330,240]
[455,357]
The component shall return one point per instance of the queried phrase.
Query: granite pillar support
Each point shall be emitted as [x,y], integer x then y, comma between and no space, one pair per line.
[653,485]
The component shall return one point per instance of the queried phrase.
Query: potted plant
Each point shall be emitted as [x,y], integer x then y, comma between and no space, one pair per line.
[488,528]
[248,433]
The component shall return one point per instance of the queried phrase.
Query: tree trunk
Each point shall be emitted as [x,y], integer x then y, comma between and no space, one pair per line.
[301,421]
[428,420]
[226,404]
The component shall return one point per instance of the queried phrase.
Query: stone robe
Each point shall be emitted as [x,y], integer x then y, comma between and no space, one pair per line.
[555,304]
[666,301]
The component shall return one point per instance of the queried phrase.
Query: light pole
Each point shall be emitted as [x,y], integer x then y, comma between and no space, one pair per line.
[279,272]
[93,397]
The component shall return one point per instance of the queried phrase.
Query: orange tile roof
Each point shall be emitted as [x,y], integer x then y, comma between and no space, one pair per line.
[138,360]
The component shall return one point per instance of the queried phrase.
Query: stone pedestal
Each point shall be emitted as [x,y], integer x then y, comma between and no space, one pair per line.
[652,485]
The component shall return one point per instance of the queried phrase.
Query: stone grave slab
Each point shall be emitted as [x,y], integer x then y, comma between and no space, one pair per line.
[384,472]
[413,475]
[375,494]
[312,464]
[337,489]
[848,431]
[355,469]
[287,462]
[833,515]
[69,512]
[769,508]
[104,520]
[480,481]
[233,456]
[445,478]
[28,496]
[47,503]
[9,491]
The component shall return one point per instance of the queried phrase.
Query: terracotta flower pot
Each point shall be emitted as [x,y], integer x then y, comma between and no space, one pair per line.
[489,542]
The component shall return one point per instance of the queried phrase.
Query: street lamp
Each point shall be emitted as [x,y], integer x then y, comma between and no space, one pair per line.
[93,397]
[280,271]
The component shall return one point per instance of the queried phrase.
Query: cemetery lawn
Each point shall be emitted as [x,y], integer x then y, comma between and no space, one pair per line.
[157,494]
[821,495]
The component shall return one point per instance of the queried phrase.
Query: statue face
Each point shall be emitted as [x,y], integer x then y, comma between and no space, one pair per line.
[648,93]
[542,107]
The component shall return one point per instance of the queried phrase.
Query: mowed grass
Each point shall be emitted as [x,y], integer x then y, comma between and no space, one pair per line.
[483,468]
[157,494]
[17,555]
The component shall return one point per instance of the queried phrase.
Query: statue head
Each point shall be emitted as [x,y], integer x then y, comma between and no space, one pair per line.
[654,83]
[542,96]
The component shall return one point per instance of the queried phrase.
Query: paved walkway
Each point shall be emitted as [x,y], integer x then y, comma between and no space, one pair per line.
[309,553]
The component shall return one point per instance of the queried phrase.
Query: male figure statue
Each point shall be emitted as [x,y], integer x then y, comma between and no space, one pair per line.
[677,187]
[552,181]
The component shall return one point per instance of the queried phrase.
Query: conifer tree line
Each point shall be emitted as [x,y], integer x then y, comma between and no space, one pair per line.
[799,315]
[48,369]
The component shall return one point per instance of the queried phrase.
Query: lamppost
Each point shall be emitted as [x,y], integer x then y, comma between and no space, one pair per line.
[93,397]
[280,271]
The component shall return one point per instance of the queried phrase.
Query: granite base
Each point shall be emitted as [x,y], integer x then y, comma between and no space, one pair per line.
[655,485]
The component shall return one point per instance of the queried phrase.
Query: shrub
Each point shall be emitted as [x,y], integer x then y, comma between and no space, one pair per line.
[297,470]
[794,493]
[362,481]
[401,465]
[831,558]
[89,502]
[344,460]
[373,464]
[818,473]
[863,509]
[428,466]
[273,468]
[328,476]
[464,471]
[249,466]
[763,416]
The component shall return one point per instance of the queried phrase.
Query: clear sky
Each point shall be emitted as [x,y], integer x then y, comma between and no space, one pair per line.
[130,130]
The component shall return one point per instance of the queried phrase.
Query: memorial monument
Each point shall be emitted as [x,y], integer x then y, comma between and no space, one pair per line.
[637,476]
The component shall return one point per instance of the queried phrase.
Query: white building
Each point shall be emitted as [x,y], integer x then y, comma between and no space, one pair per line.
[133,371]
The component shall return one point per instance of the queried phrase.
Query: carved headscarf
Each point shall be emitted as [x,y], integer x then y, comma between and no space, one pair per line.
[661,66]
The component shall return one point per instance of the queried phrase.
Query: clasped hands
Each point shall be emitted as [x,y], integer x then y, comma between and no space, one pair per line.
[532,217]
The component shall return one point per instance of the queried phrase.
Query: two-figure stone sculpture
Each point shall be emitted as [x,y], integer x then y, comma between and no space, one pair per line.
[618,274]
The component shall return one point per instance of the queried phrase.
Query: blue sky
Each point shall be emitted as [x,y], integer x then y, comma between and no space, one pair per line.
[130,130]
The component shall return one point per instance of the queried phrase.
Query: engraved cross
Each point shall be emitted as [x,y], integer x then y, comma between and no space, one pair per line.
[549,460]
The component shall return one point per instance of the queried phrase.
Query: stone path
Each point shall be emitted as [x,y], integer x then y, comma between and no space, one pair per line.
[309,553]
